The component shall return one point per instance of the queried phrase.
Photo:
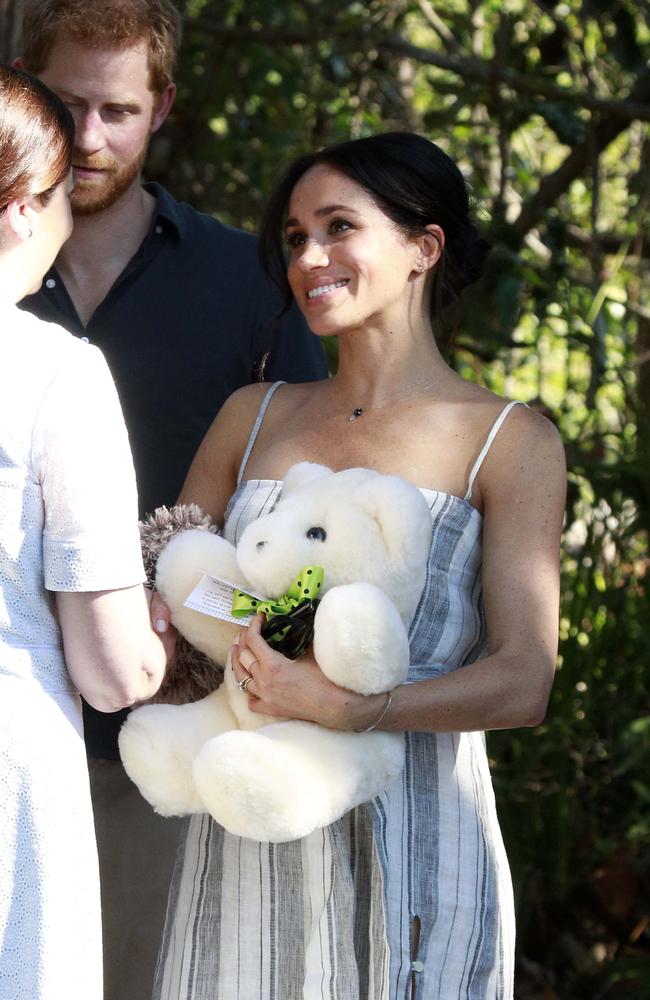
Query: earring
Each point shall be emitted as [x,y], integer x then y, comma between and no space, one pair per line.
[29,234]
[420,266]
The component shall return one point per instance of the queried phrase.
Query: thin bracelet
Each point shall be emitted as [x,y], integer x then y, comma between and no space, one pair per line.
[368,729]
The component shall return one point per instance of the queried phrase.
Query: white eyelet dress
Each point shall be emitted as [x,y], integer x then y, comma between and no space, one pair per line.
[68,522]
[331,917]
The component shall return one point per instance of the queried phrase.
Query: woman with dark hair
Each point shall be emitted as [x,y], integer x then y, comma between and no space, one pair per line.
[73,612]
[408,896]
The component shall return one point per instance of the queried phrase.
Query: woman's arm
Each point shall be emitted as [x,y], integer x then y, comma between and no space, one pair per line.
[522,486]
[112,655]
[212,476]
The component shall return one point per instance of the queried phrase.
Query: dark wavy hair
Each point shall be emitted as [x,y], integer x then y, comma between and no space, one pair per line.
[36,136]
[414,183]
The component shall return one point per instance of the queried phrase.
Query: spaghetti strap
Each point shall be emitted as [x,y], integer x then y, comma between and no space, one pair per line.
[486,447]
[256,427]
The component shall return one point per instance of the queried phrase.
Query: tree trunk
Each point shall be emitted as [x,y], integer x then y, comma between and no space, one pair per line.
[11,16]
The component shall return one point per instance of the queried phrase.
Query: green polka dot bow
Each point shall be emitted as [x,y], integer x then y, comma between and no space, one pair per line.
[289,625]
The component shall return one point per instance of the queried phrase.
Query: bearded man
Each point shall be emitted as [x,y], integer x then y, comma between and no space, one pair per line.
[180,308]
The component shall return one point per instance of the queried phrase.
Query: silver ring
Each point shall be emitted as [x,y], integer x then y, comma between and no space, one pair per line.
[243,683]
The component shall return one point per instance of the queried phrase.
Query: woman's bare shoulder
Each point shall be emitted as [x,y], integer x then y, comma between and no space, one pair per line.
[212,477]
[249,398]
[245,400]
[233,424]
[523,421]
[527,430]
[527,456]
[236,418]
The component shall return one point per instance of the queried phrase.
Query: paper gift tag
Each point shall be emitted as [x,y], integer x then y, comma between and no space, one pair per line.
[213,596]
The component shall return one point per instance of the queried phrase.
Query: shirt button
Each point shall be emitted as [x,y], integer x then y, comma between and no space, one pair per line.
[50,283]
[417,966]
[159,230]
[85,340]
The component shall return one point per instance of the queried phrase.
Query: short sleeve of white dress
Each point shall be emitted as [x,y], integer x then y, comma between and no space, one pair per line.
[81,456]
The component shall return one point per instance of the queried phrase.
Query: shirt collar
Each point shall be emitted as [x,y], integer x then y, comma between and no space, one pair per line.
[167,208]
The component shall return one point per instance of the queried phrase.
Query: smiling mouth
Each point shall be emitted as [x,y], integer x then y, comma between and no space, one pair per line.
[315,293]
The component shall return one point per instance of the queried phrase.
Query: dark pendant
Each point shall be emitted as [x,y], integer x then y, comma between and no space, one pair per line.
[355,413]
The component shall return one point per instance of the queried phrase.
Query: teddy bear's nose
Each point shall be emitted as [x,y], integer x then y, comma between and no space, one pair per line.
[260,546]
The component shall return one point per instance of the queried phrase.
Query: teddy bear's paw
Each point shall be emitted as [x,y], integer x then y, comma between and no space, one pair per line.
[181,565]
[291,778]
[360,641]
[158,744]
[254,788]
[162,774]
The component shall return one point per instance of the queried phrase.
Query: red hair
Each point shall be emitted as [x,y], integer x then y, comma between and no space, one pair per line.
[109,24]
[36,135]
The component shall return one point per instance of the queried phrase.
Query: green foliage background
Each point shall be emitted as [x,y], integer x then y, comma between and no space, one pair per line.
[546,107]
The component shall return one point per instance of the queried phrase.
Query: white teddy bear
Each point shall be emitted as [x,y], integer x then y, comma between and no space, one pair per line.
[277,780]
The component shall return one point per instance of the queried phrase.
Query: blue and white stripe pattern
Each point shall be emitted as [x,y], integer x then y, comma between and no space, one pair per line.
[332,917]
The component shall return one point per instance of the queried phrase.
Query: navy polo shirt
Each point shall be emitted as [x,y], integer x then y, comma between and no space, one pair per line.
[185,324]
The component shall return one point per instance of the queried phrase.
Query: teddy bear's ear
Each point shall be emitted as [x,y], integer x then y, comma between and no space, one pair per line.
[302,473]
[400,510]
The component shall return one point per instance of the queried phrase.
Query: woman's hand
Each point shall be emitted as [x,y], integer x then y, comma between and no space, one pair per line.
[160,616]
[293,689]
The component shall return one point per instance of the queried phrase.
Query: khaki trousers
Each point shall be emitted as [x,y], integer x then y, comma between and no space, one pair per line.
[136,850]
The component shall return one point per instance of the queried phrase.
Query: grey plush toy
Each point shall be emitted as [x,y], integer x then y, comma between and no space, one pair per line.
[192,675]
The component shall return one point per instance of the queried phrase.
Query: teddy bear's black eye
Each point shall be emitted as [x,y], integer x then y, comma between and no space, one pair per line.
[317,534]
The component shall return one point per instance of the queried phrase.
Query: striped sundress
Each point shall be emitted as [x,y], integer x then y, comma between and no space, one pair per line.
[334,916]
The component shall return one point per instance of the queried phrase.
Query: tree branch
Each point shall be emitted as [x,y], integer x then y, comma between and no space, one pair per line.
[438,25]
[291,36]
[555,184]
[611,244]
[629,108]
